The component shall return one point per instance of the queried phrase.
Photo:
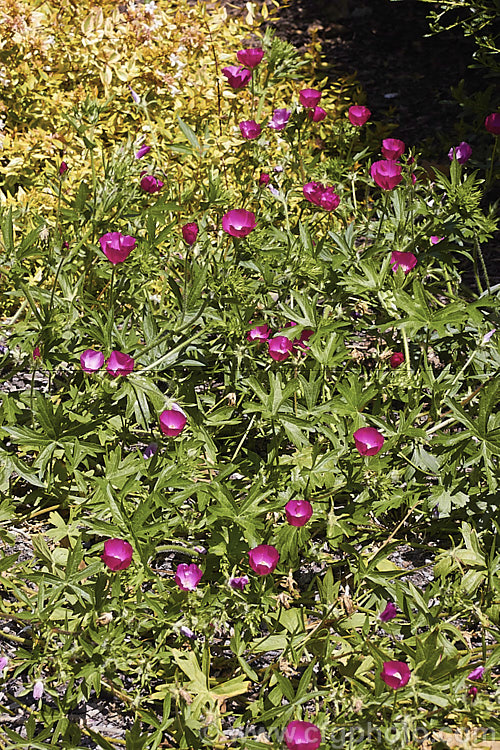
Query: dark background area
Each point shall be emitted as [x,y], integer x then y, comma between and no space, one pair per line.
[406,77]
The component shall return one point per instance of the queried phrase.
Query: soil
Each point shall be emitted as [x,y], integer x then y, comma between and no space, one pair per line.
[405,75]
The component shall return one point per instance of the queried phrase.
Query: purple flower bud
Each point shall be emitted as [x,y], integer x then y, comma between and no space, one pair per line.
[238,582]
[38,689]
[389,613]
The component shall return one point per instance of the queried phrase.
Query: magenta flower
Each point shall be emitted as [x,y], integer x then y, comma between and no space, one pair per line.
[237,76]
[461,153]
[435,239]
[301,342]
[264,179]
[238,582]
[142,151]
[116,246]
[309,98]
[91,361]
[389,613]
[63,168]
[387,174]
[250,57]
[396,359]
[38,689]
[37,353]
[368,441]
[119,364]
[151,184]
[492,123]
[190,232]
[187,577]
[472,692]
[258,334]
[395,674]
[172,421]
[298,512]
[279,119]
[263,559]
[407,261]
[476,674]
[117,554]
[250,129]
[321,195]
[280,348]
[238,222]
[392,148]
[329,200]
[358,115]
[317,114]
[302,735]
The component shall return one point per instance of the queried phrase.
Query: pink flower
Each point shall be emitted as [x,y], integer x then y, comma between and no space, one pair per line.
[387,174]
[309,98]
[435,239]
[280,348]
[119,364]
[63,168]
[250,129]
[395,674]
[407,261]
[368,441]
[263,559]
[329,200]
[279,119]
[142,151]
[317,114]
[461,153]
[392,148]
[238,582]
[151,184]
[476,674]
[396,359]
[298,512]
[117,554]
[237,76]
[91,361]
[37,353]
[187,577]
[238,222]
[389,613]
[302,735]
[116,246]
[321,195]
[300,343]
[258,334]
[38,689]
[250,57]
[172,421]
[472,692]
[3,663]
[190,232]
[264,179]
[492,123]
[358,115]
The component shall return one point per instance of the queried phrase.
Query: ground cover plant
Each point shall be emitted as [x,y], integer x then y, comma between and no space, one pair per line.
[249,471]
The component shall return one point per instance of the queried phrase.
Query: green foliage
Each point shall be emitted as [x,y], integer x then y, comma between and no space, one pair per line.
[306,642]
